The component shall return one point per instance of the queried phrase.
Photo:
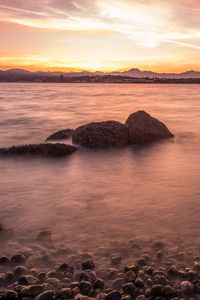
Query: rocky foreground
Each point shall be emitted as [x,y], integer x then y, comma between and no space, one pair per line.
[135,271]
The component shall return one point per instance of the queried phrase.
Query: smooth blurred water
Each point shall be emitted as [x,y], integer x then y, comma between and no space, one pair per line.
[93,197]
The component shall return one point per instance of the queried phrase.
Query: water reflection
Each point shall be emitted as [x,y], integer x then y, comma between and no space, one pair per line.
[99,196]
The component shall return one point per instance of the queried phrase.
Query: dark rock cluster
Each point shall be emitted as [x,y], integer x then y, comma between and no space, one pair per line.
[139,128]
[57,149]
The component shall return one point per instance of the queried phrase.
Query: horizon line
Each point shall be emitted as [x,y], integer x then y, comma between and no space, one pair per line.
[96,71]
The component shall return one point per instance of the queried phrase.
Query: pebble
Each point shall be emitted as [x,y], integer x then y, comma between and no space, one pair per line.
[18,258]
[31,290]
[47,295]
[116,284]
[87,275]
[19,271]
[86,288]
[99,284]
[187,287]
[44,236]
[116,260]
[66,293]
[8,295]
[88,265]
[170,291]
[129,288]
[4,261]
[157,290]
[9,277]
[114,295]
[160,280]
[27,280]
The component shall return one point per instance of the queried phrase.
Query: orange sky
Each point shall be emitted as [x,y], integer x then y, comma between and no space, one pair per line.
[102,35]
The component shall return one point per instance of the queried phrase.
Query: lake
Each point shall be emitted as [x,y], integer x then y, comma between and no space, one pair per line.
[96,197]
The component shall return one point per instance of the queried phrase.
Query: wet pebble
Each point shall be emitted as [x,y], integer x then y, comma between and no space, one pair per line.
[19,271]
[170,291]
[8,295]
[116,260]
[187,287]
[31,290]
[86,288]
[66,293]
[44,236]
[47,295]
[129,288]
[117,284]
[18,258]
[88,265]
[113,295]
[27,280]
[157,290]
[4,261]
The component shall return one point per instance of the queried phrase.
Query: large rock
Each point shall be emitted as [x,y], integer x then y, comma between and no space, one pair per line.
[39,149]
[101,134]
[61,134]
[145,129]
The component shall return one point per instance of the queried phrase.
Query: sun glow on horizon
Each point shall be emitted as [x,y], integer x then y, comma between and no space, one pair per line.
[100,35]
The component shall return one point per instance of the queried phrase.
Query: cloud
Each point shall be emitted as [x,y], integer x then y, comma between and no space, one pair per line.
[101,28]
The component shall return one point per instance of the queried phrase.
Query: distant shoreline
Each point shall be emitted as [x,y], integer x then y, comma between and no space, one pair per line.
[109,79]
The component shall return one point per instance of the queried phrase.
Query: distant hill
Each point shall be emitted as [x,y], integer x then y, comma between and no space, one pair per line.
[134,73]
[142,74]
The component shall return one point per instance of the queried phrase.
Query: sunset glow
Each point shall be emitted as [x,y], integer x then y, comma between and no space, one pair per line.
[100,35]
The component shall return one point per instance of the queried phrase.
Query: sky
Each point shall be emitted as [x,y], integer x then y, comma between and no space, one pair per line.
[105,35]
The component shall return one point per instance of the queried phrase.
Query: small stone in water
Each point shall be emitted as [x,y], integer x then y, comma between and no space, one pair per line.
[18,258]
[20,270]
[88,265]
[44,235]
[4,260]
[116,260]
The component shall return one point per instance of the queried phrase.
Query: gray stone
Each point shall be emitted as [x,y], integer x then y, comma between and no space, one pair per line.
[66,293]
[101,135]
[114,295]
[31,290]
[8,295]
[144,129]
[47,150]
[47,295]
[187,287]
[86,288]
[61,134]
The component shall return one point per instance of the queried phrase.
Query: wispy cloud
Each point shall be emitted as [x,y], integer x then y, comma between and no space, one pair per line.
[141,24]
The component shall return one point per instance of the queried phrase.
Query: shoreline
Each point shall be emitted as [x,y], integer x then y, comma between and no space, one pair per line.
[47,269]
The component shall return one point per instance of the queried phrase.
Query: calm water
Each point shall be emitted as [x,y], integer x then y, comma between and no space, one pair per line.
[94,197]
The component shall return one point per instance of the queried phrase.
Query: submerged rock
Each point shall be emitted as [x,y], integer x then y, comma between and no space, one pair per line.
[61,134]
[101,134]
[57,149]
[44,235]
[143,128]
